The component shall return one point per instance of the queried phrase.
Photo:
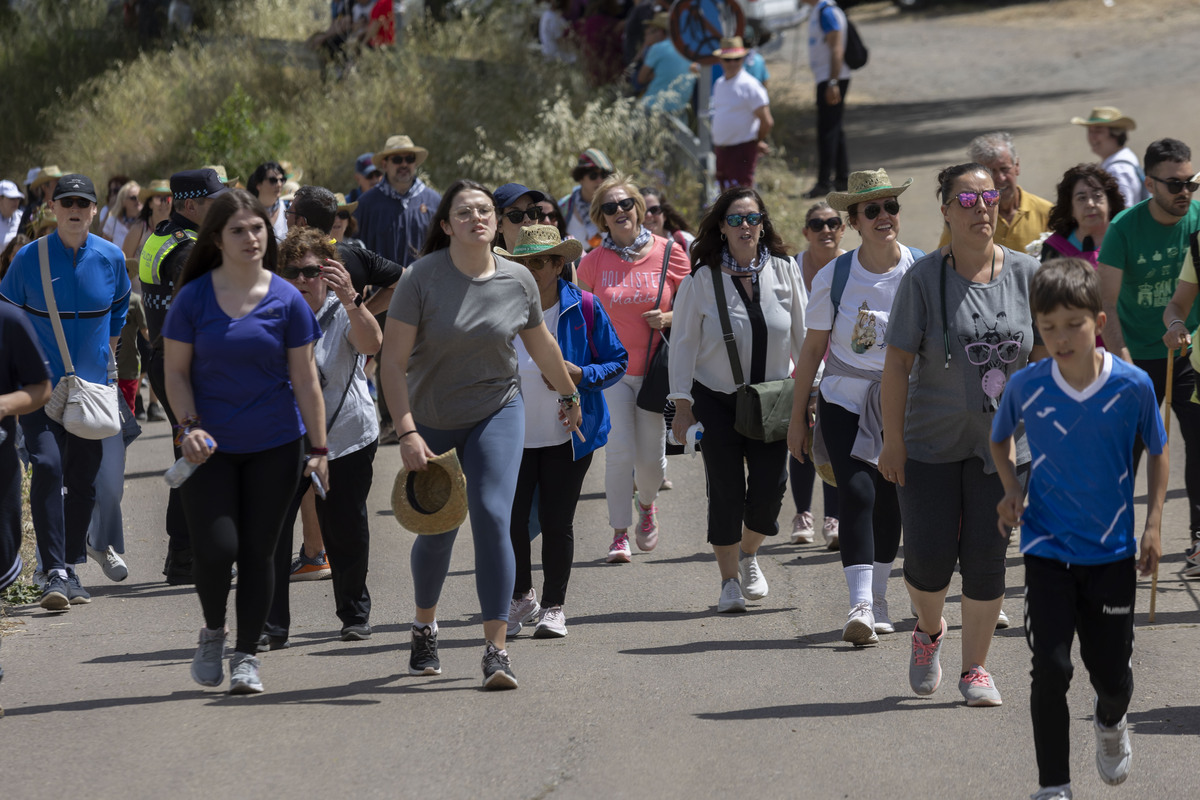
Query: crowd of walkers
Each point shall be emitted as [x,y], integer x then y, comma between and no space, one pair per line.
[506,337]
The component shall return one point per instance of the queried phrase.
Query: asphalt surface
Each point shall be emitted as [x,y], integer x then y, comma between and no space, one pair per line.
[652,693]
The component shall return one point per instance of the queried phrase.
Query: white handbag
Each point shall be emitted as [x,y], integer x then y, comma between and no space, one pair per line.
[87,410]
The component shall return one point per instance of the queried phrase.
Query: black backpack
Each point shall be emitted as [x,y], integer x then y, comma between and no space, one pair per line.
[856,53]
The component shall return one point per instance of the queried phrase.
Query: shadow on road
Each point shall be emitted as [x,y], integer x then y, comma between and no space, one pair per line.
[813,710]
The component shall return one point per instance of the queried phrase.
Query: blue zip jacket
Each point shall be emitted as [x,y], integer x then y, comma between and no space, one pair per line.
[91,289]
[598,373]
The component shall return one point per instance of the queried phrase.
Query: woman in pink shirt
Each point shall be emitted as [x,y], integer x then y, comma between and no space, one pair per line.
[624,273]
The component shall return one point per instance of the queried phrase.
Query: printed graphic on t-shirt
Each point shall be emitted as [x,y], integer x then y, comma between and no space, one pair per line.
[992,348]
[629,288]
[868,331]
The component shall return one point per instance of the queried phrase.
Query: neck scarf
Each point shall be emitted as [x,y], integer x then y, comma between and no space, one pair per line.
[387,190]
[756,264]
[628,253]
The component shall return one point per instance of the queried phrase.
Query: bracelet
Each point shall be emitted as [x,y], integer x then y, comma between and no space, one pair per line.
[569,399]
[409,433]
[185,426]
[318,451]
[1181,322]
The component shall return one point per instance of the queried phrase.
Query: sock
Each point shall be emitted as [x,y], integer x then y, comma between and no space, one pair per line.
[879,577]
[62,573]
[858,580]
[432,625]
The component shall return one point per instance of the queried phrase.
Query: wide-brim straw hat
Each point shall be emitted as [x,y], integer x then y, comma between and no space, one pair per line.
[50,173]
[542,240]
[399,144]
[156,187]
[870,184]
[1107,116]
[731,47]
[434,500]
[343,205]
[225,179]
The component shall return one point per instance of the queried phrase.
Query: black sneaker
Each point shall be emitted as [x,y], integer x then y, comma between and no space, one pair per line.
[268,642]
[76,594]
[356,633]
[55,595]
[497,669]
[423,657]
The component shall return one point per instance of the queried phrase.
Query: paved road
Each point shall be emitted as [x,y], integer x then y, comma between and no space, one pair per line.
[652,694]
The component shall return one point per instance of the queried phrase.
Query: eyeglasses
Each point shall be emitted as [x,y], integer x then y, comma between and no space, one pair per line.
[653,210]
[411,158]
[538,262]
[969,199]
[533,213]
[274,180]
[291,273]
[875,209]
[1175,186]
[74,202]
[736,220]
[611,208]
[816,224]
[468,213]
[980,353]
[596,174]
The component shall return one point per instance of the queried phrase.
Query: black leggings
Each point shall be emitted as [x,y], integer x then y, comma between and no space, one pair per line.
[869,521]
[177,533]
[235,504]
[1188,414]
[802,475]
[558,479]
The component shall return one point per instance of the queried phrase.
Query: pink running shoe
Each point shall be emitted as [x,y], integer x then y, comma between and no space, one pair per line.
[647,529]
[618,551]
[978,688]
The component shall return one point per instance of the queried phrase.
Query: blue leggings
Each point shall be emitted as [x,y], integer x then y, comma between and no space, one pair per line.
[490,452]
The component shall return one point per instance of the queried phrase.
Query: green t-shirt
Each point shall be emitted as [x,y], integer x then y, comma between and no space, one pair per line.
[1150,255]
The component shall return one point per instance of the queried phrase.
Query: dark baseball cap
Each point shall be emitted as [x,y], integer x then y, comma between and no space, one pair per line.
[509,193]
[75,185]
[196,183]
[365,164]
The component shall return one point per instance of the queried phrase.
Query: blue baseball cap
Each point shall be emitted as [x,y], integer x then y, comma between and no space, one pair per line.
[509,193]
[365,164]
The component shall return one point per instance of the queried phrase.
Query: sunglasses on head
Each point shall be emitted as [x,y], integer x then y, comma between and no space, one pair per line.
[293,272]
[969,199]
[410,158]
[816,224]
[1175,186]
[611,208]
[533,213]
[873,210]
[653,210]
[736,220]
[74,202]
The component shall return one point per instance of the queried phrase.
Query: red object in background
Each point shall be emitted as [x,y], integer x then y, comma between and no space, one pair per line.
[383,15]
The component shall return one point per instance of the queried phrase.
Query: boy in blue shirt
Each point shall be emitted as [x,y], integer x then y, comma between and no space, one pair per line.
[1082,411]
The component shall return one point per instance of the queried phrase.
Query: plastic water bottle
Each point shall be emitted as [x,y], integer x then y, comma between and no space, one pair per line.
[694,435]
[181,470]
[3,435]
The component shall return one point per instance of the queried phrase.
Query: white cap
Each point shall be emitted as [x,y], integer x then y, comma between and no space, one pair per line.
[31,176]
[10,190]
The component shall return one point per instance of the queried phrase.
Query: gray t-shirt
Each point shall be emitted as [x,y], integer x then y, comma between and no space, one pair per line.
[950,408]
[463,366]
[340,366]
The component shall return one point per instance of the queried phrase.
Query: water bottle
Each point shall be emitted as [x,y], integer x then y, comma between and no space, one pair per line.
[182,469]
[3,435]
[694,435]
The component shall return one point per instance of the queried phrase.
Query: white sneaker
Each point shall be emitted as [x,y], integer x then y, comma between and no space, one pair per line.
[731,597]
[1002,620]
[860,626]
[521,611]
[802,528]
[1113,751]
[754,583]
[553,624]
[110,563]
[618,551]
[1053,793]
[879,609]
[830,531]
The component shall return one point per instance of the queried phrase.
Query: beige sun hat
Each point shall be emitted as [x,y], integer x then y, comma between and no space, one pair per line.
[343,205]
[50,173]
[399,144]
[432,501]
[155,187]
[542,240]
[870,184]
[731,47]
[220,170]
[1109,117]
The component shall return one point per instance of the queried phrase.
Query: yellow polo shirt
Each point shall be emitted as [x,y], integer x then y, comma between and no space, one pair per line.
[1031,220]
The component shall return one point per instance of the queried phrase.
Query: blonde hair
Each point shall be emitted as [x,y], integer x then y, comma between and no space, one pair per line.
[130,188]
[616,181]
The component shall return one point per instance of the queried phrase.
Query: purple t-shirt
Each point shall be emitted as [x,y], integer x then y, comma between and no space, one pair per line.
[239,366]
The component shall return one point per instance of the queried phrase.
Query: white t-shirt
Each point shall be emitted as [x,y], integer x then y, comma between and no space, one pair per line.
[825,18]
[858,331]
[733,105]
[1123,165]
[542,425]
[551,30]
[115,229]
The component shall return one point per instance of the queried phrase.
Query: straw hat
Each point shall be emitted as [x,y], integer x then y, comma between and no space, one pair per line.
[399,144]
[731,47]
[433,501]
[542,240]
[220,170]
[157,186]
[47,174]
[1107,116]
[661,20]
[870,184]
[343,205]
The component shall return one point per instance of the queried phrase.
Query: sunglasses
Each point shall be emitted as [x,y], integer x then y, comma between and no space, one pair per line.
[875,209]
[968,199]
[533,213]
[736,220]
[344,215]
[611,208]
[273,180]
[816,225]
[539,262]
[653,210]
[291,273]
[74,202]
[1175,186]
[596,175]
[411,158]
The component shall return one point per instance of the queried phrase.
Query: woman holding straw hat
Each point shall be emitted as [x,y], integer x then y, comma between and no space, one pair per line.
[848,313]
[450,374]
[555,462]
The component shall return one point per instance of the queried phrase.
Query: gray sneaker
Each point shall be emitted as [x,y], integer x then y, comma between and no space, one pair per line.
[76,594]
[208,665]
[883,621]
[54,595]
[243,674]
[522,611]
[553,624]
[754,583]
[924,666]
[978,688]
[1053,793]
[110,563]
[731,600]
[497,669]
[1114,753]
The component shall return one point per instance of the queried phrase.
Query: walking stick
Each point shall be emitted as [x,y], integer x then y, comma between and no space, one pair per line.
[1167,428]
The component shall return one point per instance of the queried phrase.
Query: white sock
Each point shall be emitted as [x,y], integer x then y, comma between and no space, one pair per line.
[62,573]
[858,580]
[432,625]
[879,577]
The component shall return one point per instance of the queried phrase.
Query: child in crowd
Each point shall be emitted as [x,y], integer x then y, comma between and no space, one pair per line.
[1080,407]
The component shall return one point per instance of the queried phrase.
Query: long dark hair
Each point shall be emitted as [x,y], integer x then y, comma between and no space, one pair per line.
[673,221]
[259,175]
[436,238]
[706,250]
[206,255]
[1061,221]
